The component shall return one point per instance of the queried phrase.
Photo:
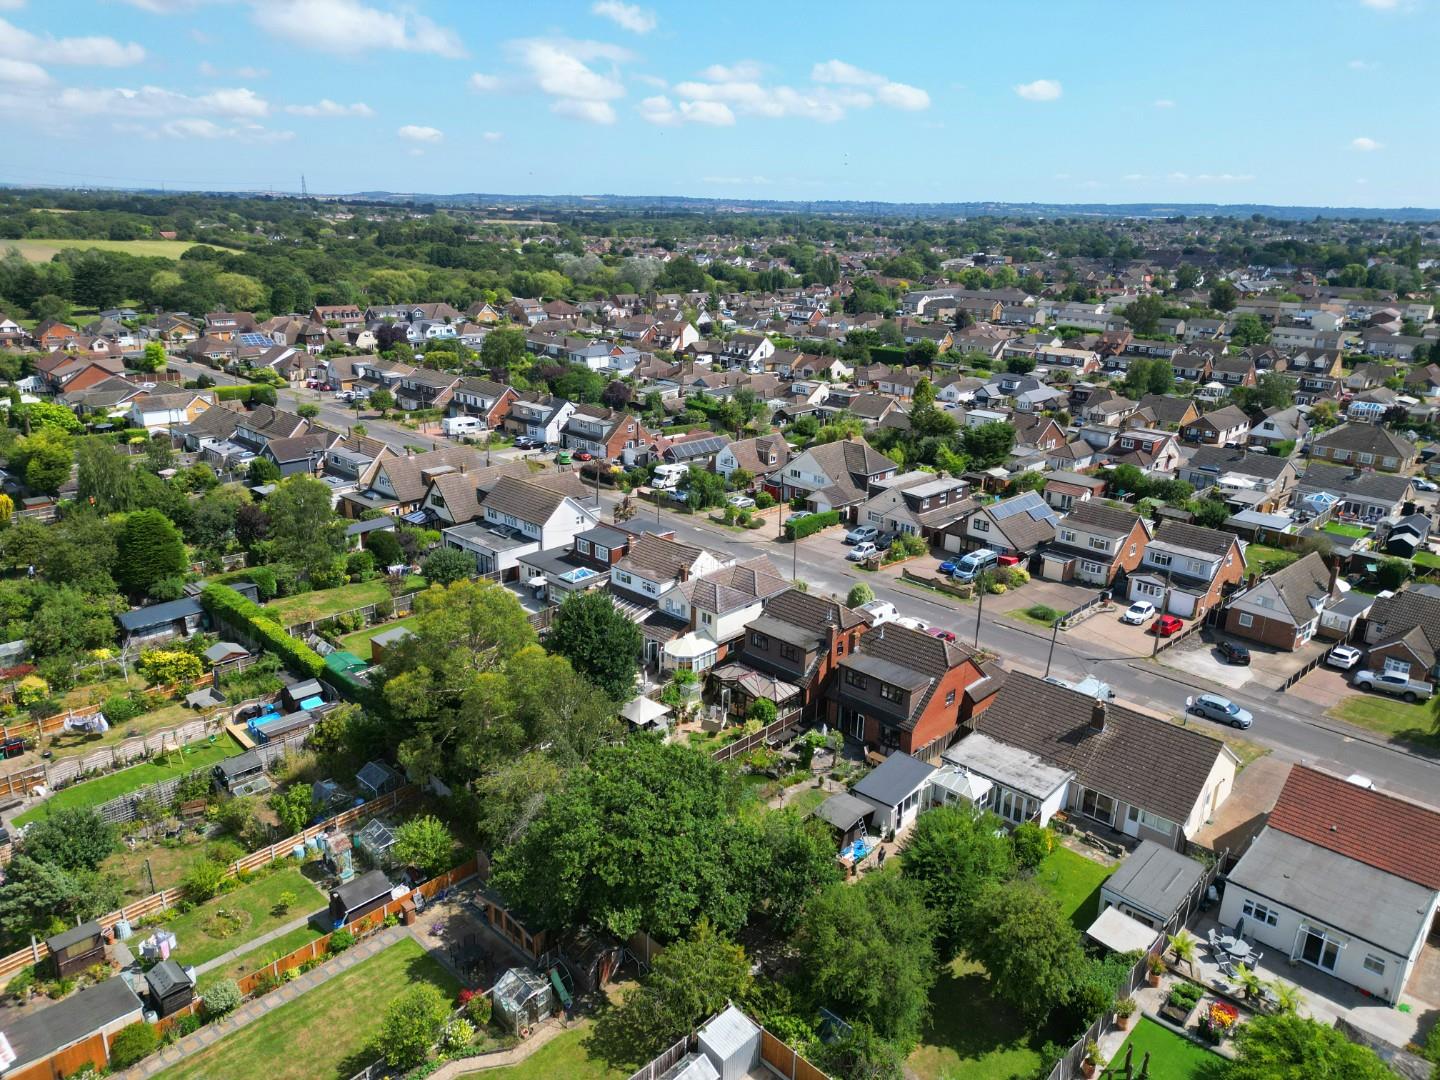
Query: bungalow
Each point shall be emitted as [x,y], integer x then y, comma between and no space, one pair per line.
[831,476]
[1245,480]
[302,454]
[900,690]
[1186,569]
[1279,426]
[1403,633]
[1366,445]
[1139,775]
[1342,878]
[1370,496]
[1222,427]
[1283,609]
[1019,525]
[1170,413]
[1094,543]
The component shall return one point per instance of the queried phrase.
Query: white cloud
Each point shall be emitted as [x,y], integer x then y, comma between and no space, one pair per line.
[492,136]
[419,133]
[895,94]
[18,44]
[348,26]
[210,71]
[22,73]
[326,107]
[1039,90]
[1365,144]
[561,69]
[11,5]
[482,82]
[1381,5]
[1361,65]
[740,71]
[154,101]
[1164,103]
[660,110]
[630,17]
[1210,178]
[592,112]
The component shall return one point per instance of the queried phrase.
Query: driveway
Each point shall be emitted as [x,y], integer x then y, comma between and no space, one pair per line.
[1196,656]
[1106,632]
[1268,668]
[1325,687]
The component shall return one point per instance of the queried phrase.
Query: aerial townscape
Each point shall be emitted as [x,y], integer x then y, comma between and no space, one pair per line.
[811,622]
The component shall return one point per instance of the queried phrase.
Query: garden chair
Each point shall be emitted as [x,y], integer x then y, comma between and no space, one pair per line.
[1214,938]
[1228,968]
[1255,958]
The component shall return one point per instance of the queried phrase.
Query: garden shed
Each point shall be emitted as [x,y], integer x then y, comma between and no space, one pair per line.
[77,949]
[692,1066]
[170,988]
[375,841]
[236,771]
[359,897]
[521,999]
[376,779]
[336,854]
[732,1043]
[306,694]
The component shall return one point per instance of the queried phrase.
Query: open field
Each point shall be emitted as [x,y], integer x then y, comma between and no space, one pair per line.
[104,788]
[325,1033]
[321,604]
[39,251]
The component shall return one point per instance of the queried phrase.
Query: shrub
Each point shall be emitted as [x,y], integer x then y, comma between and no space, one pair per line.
[426,844]
[763,711]
[225,604]
[165,667]
[221,998]
[340,940]
[860,593]
[413,1022]
[764,500]
[479,1007]
[31,690]
[203,880]
[120,709]
[807,526]
[132,1044]
[1031,843]
[21,981]
[1184,995]
[459,1033]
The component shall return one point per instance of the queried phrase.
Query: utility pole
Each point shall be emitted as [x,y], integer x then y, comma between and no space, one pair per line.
[1164,607]
[1054,633]
[982,580]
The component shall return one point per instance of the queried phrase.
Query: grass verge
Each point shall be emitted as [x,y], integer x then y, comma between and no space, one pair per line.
[1392,718]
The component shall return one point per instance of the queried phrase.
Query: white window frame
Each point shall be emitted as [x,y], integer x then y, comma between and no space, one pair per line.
[1253,909]
[1246,620]
[1374,963]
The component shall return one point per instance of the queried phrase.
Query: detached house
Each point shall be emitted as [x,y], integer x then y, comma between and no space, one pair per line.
[1365,445]
[714,609]
[1094,543]
[1283,609]
[1187,569]
[1279,426]
[756,456]
[831,476]
[917,504]
[900,690]
[1245,481]
[1171,413]
[485,399]
[519,517]
[1018,526]
[1219,428]
[606,434]
[539,416]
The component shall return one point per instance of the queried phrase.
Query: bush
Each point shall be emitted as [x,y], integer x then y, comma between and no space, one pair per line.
[31,690]
[764,500]
[132,1044]
[165,667]
[459,1033]
[340,940]
[120,709]
[413,1023]
[479,1007]
[221,998]
[763,711]
[204,880]
[807,526]
[1031,843]
[860,593]
[225,604]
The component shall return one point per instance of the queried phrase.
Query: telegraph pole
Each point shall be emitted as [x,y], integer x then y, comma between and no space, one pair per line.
[1054,633]
[1164,607]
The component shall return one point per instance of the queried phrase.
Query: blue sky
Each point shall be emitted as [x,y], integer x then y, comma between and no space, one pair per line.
[1284,101]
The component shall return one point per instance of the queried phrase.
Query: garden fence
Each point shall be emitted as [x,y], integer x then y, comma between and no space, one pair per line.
[159,901]
[782,1059]
[51,725]
[749,742]
[402,605]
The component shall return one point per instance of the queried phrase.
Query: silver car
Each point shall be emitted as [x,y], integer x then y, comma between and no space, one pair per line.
[1222,710]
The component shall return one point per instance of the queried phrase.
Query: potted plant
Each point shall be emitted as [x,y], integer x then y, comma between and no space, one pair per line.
[1124,1009]
[1092,1059]
[1156,964]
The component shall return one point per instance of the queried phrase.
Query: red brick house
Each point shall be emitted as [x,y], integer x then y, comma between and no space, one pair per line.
[901,689]
[1094,543]
[1283,609]
[605,433]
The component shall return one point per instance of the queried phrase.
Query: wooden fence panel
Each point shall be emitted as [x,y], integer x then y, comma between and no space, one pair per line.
[91,1051]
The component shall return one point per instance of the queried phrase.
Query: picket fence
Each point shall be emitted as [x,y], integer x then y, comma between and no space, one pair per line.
[140,909]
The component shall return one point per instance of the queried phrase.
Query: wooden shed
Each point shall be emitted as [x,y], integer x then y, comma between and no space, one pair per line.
[359,897]
[75,950]
[170,988]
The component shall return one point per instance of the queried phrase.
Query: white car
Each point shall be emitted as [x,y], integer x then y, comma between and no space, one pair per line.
[1425,485]
[1343,657]
[740,502]
[1138,612]
[861,552]
[913,624]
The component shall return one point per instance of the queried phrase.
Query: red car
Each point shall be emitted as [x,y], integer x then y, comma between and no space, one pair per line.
[584,455]
[1166,626]
[1009,560]
[941,633]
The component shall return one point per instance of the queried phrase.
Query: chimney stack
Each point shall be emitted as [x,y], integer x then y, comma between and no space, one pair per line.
[1097,715]
[1334,574]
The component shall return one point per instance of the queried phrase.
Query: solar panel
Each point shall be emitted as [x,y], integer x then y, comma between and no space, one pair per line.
[255,339]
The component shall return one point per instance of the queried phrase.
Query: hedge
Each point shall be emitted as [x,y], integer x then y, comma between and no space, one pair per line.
[798,530]
[238,393]
[224,603]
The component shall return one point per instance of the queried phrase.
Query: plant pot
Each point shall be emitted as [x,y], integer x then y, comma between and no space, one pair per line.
[1087,1068]
[1152,979]
[1122,1022]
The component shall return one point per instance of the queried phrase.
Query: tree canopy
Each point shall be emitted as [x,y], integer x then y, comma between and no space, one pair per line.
[599,640]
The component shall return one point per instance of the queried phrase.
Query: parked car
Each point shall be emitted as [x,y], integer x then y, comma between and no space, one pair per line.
[1425,485]
[861,533]
[862,551]
[740,502]
[1394,684]
[1234,652]
[1343,657]
[878,612]
[912,623]
[1138,613]
[525,442]
[584,455]
[798,515]
[941,633]
[1222,710]
[1166,626]
[885,539]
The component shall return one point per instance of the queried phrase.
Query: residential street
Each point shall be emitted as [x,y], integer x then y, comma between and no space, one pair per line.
[1294,735]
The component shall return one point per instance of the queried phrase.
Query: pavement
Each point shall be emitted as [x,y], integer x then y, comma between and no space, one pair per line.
[1286,723]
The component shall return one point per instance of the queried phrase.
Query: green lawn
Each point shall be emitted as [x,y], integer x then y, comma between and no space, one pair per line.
[808,800]
[359,642]
[1390,717]
[1075,881]
[1171,1056]
[1340,528]
[307,607]
[564,1055]
[1428,559]
[1258,557]
[325,1033]
[1037,614]
[252,908]
[259,956]
[104,788]
[39,251]
[971,1036]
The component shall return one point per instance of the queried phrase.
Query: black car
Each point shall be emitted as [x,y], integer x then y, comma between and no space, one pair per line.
[525,442]
[1234,653]
[884,540]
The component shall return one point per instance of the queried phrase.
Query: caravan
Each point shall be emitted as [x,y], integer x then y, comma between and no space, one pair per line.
[668,477]
[459,426]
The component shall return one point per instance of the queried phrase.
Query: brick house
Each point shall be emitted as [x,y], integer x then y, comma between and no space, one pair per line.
[1187,569]
[900,689]
[1094,543]
[605,433]
[1219,428]
[1403,634]
[1283,609]
[1365,445]
[485,399]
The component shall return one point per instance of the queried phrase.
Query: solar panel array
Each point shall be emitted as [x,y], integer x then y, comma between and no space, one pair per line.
[1029,503]
[260,340]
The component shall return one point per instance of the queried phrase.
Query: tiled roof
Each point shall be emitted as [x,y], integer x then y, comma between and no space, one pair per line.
[810,611]
[523,500]
[1093,514]
[1364,483]
[659,559]
[735,586]
[1152,764]
[1366,439]
[1405,610]
[1195,537]
[461,498]
[1379,830]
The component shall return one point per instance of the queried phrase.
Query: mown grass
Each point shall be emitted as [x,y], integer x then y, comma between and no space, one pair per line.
[40,251]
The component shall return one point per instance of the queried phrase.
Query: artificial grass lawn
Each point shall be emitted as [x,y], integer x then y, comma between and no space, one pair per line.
[39,251]
[321,604]
[324,1033]
[1340,528]
[564,1055]
[256,901]
[1390,717]
[1171,1057]
[971,1036]
[359,642]
[1075,881]
[258,957]
[104,788]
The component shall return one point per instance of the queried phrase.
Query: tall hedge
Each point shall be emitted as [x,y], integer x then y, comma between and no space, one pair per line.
[225,604]
[245,393]
[798,530]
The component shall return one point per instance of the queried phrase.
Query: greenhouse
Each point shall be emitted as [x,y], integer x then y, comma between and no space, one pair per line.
[521,999]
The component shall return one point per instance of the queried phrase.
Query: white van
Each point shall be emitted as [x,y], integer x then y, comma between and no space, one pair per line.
[972,564]
[668,477]
[457,426]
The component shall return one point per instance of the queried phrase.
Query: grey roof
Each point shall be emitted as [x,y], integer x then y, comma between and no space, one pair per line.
[37,1035]
[1366,438]
[1361,483]
[844,811]
[363,889]
[1405,610]
[728,1033]
[1224,459]
[1012,766]
[159,614]
[74,936]
[1377,907]
[910,658]
[359,528]
[221,649]
[1155,879]
[1095,516]
[1292,590]
[240,764]
[1195,537]
[895,778]
[166,977]
[525,501]
[375,773]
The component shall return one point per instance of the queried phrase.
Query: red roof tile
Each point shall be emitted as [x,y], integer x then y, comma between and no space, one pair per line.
[1390,834]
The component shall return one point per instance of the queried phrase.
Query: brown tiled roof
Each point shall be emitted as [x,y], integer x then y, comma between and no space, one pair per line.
[1095,514]
[1147,762]
[810,611]
[929,658]
[735,586]
[655,557]
[1366,439]
[1196,537]
[1406,610]
[462,500]
[523,500]
[1379,830]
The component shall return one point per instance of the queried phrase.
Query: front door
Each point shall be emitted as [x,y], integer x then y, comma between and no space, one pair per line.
[1318,950]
